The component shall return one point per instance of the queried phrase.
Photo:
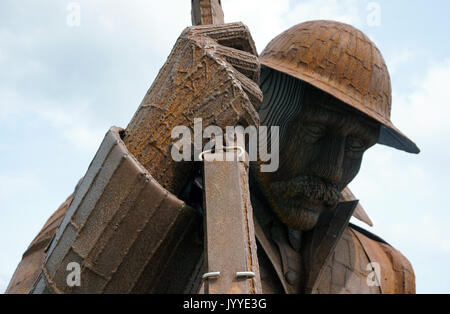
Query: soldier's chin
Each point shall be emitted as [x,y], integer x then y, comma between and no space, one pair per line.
[301,219]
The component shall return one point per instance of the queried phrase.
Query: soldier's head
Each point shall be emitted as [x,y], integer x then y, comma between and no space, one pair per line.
[327,87]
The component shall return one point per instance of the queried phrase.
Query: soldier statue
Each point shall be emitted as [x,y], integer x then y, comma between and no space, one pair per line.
[141,222]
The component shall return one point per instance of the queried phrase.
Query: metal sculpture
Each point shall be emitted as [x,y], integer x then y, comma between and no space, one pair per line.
[140,222]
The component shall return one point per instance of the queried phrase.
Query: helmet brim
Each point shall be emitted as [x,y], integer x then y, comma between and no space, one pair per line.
[389,134]
[392,137]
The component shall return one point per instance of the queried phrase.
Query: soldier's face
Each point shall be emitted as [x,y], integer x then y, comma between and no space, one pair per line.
[321,155]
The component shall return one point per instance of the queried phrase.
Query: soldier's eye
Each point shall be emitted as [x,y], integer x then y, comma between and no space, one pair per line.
[355,144]
[314,130]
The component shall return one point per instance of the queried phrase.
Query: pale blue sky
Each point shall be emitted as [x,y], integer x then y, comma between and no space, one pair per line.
[62,87]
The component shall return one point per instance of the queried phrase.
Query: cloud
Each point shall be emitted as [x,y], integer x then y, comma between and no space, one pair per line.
[263,17]
[125,42]
[266,18]
[82,80]
[9,103]
[76,125]
[155,22]
[435,236]
[74,121]
[13,184]
[3,283]
[346,11]
[425,113]
[400,58]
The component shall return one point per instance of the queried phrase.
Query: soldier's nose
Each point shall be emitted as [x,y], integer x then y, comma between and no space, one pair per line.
[329,164]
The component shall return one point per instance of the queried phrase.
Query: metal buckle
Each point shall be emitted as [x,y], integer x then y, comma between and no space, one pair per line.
[226,148]
[210,275]
[245,274]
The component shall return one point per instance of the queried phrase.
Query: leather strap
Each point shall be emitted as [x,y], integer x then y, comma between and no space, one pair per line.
[230,244]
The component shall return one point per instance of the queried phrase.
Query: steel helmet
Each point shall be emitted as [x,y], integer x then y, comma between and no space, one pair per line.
[339,60]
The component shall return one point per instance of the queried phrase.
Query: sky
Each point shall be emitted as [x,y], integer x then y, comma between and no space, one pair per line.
[63,84]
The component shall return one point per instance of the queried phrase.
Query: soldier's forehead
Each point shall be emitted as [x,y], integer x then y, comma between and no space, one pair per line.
[335,111]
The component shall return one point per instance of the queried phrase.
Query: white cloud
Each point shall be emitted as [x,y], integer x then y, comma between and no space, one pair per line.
[13,184]
[75,124]
[266,18]
[144,25]
[3,283]
[107,23]
[399,58]
[435,233]
[153,22]
[74,121]
[425,113]
[9,103]
[346,11]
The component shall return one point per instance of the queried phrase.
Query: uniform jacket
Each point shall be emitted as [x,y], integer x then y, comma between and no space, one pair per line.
[130,235]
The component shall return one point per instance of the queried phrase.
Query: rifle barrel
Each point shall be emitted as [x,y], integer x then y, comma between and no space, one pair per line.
[206,12]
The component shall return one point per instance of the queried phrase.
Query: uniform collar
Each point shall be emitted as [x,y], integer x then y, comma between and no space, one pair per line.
[316,245]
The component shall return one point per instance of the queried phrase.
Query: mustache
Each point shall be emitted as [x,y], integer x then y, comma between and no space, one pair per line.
[309,187]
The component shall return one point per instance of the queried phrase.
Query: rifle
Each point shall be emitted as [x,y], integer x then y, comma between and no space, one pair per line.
[230,244]
[207,12]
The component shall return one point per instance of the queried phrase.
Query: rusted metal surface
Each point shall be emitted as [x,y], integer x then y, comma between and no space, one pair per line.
[334,261]
[274,257]
[346,270]
[341,259]
[342,61]
[129,234]
[213,74]
[201,79]
[341,256]
[232,35]
[359,213]
[230,243]
[206,12]
[291,260]
[322,241]
[122,228]
[396,272]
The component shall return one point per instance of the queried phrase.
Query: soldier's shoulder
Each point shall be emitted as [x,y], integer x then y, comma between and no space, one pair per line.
[346,269]
[397,272]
